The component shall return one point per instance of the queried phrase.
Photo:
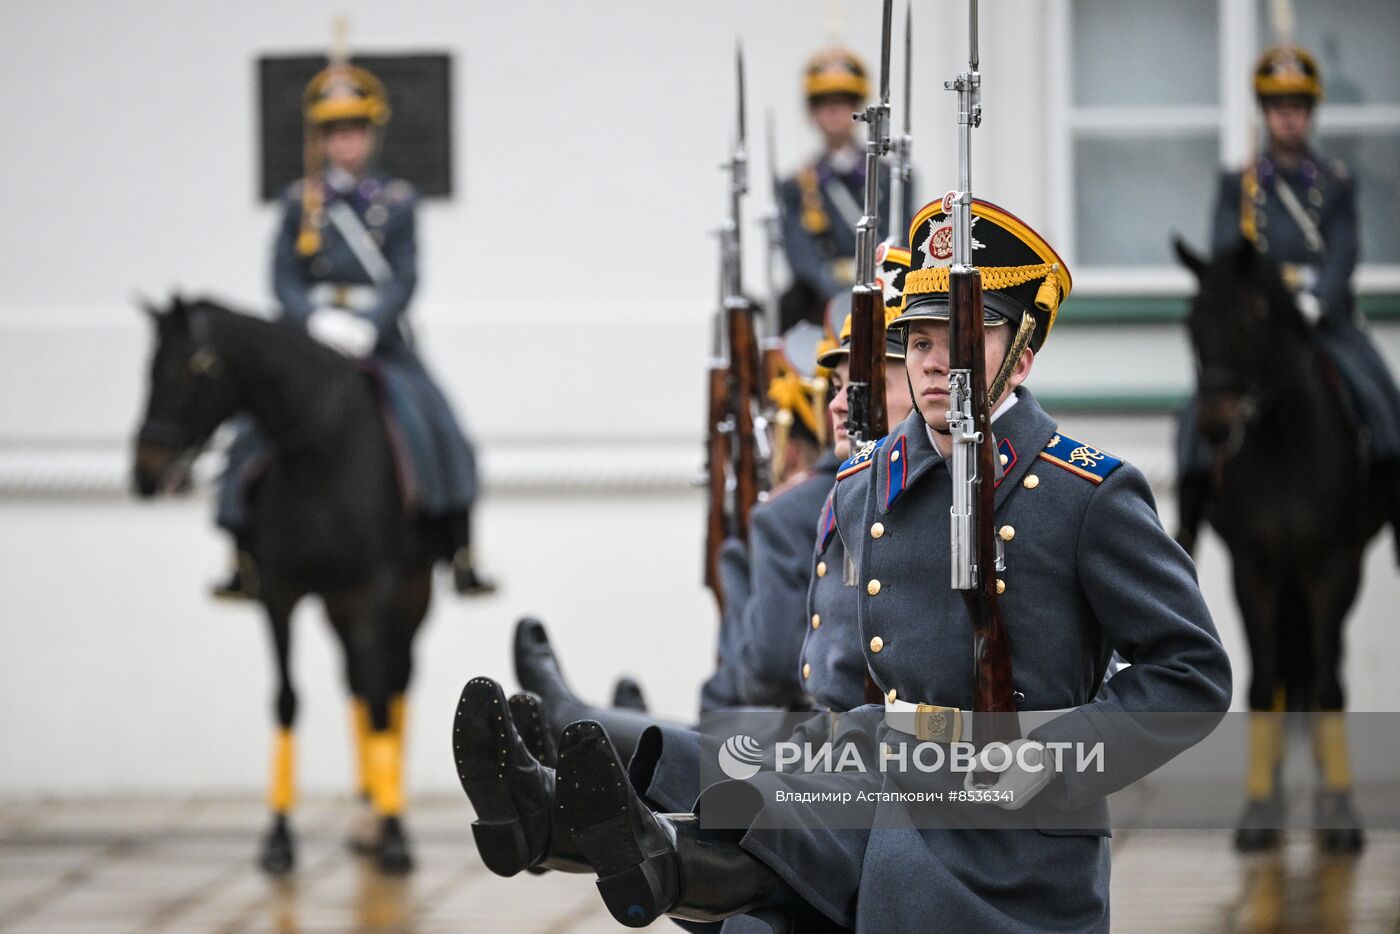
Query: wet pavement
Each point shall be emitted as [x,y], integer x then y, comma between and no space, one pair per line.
[171,864]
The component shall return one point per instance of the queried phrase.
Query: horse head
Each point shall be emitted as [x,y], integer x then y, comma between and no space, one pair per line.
[188,396]
[1240,320]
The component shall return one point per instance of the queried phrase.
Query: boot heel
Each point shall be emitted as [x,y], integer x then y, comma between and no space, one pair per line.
[631,894]
[502,845]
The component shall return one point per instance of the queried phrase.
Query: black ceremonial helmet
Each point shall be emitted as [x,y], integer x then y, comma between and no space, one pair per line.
[1023,278]
[891,266]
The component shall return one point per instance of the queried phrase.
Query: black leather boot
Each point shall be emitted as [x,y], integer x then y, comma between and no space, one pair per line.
[467,579]
[650,864]
[512,793]
[537,669]
[527,713]
[627,695]
[242,584]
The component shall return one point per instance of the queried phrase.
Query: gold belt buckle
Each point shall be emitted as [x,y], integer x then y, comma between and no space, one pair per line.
[938,724]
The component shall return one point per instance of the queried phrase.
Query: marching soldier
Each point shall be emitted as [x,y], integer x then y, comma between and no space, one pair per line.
[821,204]
[762,635]
[1300,209]
[345,265]
[1089,570]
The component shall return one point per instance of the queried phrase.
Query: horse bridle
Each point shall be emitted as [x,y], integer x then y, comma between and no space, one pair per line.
[173,435]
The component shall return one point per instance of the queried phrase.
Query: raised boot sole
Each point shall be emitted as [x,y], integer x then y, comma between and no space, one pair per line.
[594,802]
[480,746]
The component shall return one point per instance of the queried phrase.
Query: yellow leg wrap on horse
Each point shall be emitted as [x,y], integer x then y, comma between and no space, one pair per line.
[1280,700]
[1265,752]
[360,728]
[385,757]
[281,793]
[1330,749]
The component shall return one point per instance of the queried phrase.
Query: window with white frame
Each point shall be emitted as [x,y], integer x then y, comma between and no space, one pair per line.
[1153,99]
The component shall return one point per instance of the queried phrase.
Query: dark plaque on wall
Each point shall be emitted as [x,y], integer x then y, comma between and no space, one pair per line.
[416,144]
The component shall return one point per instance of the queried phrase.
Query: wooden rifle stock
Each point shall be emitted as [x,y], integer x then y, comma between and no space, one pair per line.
[717,472]
[744,398]
[869,419]
[994,690]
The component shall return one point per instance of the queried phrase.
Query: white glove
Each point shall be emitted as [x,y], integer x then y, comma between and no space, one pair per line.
[1311,307]
[1016,786]
[343,331]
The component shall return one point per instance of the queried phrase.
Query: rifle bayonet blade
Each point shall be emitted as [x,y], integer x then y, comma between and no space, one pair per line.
[908,66]
[739,70]
[885,51]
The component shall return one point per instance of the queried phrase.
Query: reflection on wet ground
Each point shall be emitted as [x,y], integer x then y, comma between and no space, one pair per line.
[173,864]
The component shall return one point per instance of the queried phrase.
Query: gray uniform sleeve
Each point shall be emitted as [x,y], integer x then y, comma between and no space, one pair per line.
[1333,287]
[1142,589]
[721,689]
[773,623]
[800,248]
[289,280]
[401,250]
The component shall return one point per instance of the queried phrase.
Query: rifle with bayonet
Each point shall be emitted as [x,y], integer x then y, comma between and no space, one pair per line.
[865,390]
[737,447]
[779,421]
[903,145]
[976,556]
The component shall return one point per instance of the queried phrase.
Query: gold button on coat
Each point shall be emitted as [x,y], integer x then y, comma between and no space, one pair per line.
[1031,481]
[1007,533]
[806,670]
[816,621]
[873,587]
[1001,585]
[894,456]
[892,696]
[876,644]
[821,569]
[1004,460]
[877,530]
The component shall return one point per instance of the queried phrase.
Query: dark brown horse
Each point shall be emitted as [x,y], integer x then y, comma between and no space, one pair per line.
[329,518]
[1292,499]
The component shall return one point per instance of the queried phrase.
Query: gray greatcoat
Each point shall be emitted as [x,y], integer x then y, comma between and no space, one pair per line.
[1089,571]
[766,587]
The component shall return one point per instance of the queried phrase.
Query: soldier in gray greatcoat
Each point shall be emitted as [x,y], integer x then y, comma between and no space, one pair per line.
[345,265]
[1089,570]
[761,647]
[822,202]
[1300,209]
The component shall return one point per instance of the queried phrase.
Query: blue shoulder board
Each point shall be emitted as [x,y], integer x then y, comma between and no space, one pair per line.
[1079,458]
[861,459]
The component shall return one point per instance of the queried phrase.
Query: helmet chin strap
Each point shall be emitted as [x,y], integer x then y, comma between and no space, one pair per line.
[1022,339]
[1019,343]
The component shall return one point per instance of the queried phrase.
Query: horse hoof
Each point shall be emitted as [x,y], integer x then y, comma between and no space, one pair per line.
[278,856]
[1338,825]
[391,853]
[1256,839]
[1343,841]
[1259,826]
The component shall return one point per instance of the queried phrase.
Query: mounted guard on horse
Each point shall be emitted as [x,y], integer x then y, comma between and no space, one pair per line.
[345,265]
[1299,209]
